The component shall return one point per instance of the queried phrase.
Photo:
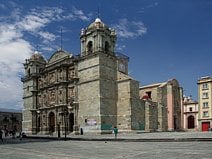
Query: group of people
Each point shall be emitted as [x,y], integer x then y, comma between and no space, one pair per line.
[10,133]
[115,131]
[6,133]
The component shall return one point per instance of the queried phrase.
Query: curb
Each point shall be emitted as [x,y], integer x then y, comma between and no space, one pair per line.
[126,140]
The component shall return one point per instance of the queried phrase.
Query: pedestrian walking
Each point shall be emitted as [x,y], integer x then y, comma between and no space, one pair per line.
[115,130]
[6,132]
[13,134]
[20,135]
[1,136]
[51,131]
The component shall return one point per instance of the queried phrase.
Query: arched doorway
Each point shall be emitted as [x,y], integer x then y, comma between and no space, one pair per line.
[71,122]
[190,122]
[51,122]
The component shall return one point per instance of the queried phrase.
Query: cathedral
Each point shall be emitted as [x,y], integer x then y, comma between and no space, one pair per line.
[91,91]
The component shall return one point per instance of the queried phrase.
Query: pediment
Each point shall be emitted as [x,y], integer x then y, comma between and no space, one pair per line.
[59,55]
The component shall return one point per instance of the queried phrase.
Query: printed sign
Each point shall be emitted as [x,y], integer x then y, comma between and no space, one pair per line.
[91,122]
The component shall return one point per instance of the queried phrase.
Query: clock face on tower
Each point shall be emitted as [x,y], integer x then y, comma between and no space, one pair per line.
[122,67]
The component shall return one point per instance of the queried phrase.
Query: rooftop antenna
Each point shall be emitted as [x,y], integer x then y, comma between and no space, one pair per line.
[61,31]
[98,14]
[61,38]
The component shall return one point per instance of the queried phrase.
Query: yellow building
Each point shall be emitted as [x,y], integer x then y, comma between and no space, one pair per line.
[205,103]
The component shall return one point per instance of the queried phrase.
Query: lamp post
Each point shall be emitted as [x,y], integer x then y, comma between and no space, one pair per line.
[13,129]
[65,116]
[64,113]
[58,129]
[76,128]
[38,121]
[12,120]
[65,122]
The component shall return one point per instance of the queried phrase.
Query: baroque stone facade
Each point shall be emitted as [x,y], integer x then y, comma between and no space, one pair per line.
[91,92]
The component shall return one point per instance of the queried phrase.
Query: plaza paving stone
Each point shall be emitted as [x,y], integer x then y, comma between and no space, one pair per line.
[103,149]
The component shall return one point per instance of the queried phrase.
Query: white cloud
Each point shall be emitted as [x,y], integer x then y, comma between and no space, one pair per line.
[14,48]
[130,29]
[76,14]
[33,23]
[48,49]
[120,47]
[79,14]
[46,36]
[148,6]
[8,33]
[39,18]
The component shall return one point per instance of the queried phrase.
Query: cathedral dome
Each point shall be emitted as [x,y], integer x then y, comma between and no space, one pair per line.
[97,24]
[38,57]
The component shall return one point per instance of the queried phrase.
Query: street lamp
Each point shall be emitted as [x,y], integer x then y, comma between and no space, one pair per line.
[64,113]
[13,128]
[58,130]
[76,128]
[38,121]
[12,120]
[67,117]
[65,121]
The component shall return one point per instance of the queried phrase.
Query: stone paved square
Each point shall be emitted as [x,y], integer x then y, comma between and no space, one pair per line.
[55,149]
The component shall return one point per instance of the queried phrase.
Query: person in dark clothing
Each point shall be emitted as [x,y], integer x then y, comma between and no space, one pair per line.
[115,130]
[1,136]
[13,134]
[20,135]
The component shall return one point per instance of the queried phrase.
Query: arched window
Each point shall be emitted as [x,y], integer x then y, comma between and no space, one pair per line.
[90,47]
[107,46]
[29,72]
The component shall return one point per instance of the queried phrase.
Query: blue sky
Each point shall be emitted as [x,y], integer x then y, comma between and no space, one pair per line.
[164,39]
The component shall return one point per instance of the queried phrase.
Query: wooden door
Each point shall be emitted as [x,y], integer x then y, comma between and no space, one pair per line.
[205,126]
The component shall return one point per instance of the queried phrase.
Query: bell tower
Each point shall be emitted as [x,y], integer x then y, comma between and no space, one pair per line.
[97,38]
[97,71]
[33,67]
